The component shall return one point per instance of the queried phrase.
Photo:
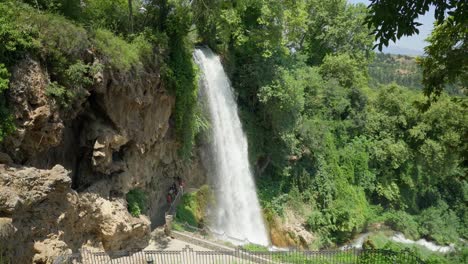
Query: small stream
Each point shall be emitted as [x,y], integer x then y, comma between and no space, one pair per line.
[400,238]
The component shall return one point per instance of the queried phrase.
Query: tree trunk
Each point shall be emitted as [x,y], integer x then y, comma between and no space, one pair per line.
[130,9]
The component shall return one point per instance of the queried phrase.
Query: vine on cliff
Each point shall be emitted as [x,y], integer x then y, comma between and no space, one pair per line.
[181,77]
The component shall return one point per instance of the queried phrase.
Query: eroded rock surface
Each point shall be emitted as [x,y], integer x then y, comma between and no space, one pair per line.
[38,124]
[40,211]
[64,173]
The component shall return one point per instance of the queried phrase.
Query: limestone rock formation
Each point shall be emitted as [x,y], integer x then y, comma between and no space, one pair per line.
[65,173]
[38,124]
[290,231]
[40,210]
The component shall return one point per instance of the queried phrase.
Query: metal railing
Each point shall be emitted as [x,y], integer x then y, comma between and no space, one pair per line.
[206,232]
[240,256]
[173,206]
[209,233]
[235,255]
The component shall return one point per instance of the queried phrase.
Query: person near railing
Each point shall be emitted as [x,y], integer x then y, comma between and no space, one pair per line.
[174,188]
[181,184]
[169,199]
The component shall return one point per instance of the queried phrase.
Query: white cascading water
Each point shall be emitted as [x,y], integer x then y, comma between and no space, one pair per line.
[237,211]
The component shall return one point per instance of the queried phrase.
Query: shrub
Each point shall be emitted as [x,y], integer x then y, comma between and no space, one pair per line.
[119,53]
[69,8]
[316,221]
[193,206]
[271,198]
[62,96]
[57,35]
[56,38]
[4,78]
[439,223]
[136,202]
[81,75]
[403,222]
[109,14]
[6,120]
[186,210]
[349,211]
[16,39]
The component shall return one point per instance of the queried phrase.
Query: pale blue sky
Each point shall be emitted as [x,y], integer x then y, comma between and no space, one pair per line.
[415,42]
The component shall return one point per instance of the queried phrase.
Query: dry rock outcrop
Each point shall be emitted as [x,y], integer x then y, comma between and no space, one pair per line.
[65,173]
[40,211]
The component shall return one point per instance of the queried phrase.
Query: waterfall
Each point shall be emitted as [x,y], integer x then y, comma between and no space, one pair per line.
[236,210]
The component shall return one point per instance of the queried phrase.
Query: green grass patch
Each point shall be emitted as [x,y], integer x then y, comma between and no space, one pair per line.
[177,226]
[254,247]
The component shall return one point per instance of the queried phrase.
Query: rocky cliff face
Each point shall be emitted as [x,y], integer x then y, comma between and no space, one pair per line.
[43,217]
[65,172]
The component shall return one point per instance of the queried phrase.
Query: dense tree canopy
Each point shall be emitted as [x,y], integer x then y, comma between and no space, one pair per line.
[336,145]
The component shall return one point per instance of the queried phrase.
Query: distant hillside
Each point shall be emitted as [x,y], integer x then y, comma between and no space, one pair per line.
[401,69]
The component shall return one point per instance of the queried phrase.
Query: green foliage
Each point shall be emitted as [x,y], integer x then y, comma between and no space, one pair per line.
[136,202]
[62,96]
[81,75]
[76,79]
[382,241]
[109,14]
[254,248]
[182,78]
[186,210]
[4,78]
[336,27]
[447,58]
[447,53]
[325,145]
[284,98]
[271,198]
[193,206]
[405,71]
[70,8]
[439,223]
[58,36]
[201,122]
[344,69]
[391,20]
[6,120]
[403,222]
[16,39]
[120,54]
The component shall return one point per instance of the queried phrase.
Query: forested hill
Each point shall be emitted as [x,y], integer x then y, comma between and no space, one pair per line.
[402,70]
[341,140]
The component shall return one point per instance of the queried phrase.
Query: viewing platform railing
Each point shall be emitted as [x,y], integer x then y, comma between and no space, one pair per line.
[240,256]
